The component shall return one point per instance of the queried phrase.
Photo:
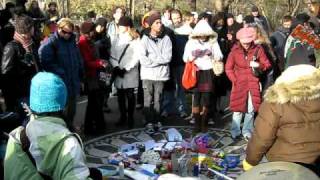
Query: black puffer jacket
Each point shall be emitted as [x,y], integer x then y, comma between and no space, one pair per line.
[17,69]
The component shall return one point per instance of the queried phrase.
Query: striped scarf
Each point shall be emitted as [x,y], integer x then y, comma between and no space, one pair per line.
[26,42]
[27,45]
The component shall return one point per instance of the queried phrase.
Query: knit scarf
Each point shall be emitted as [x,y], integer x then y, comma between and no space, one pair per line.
[26,42]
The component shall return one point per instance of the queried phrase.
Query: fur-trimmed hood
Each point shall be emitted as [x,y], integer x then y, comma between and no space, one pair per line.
[298,83]
[203,29]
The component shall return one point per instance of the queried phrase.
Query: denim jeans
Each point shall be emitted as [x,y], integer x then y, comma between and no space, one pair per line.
[180,94]
[248,120]
[152,95]
[175,98]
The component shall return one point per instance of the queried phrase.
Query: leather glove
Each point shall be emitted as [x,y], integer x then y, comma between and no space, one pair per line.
[116,71]
[246,165]
[122,72]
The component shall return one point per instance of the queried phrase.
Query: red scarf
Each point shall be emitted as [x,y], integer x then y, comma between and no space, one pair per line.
[26,42]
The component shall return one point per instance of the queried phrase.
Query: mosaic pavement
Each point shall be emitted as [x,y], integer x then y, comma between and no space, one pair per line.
[98,149]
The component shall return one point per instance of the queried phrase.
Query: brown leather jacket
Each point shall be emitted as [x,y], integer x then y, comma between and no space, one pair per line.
[288,125]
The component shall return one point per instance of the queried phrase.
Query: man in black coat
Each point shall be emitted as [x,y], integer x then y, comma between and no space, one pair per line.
[19,64]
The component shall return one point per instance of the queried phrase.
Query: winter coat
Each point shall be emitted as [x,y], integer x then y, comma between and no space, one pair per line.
[56,151]
[129,61]
[204,62]
[6,33]
[102,45]
[243,81]
[180,40]
[202,52]
[287,127]
[155,56]
[262,20]
[91,63]
[222,39]
[63,58]
[17,71]
[112,31]
[278,40]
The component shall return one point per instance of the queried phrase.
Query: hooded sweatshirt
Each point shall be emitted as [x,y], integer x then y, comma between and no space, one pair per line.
[56,151]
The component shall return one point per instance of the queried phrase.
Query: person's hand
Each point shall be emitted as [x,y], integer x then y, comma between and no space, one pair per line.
[122,72]
[104,63]
[229,37]
[54,18]
[246,166]
[254,64]
[82,86]
[192,58]
[116,71]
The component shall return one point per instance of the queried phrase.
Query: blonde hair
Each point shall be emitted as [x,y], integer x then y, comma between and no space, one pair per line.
[65,22]
[262,36]
[133,33]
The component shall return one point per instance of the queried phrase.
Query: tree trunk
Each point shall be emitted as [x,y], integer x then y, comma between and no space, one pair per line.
[296,8]
[68,8]
[132,7]
[174,4]
[193,4]
[222,5]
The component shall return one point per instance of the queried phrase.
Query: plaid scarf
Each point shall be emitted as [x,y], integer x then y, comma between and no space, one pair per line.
[26,42]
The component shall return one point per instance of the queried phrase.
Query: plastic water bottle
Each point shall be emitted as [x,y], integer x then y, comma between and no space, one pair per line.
[121,170]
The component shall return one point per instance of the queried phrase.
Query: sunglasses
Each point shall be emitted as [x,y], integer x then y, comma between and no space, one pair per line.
[65,32]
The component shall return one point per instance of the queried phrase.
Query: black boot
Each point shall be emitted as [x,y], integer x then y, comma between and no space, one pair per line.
[197,127]
[204,123]
[131,106]
[122,107]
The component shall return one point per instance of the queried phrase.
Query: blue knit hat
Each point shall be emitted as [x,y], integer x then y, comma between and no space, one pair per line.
[48,93]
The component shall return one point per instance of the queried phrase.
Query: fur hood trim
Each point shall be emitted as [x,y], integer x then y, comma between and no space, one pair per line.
[298,83]
[203,29]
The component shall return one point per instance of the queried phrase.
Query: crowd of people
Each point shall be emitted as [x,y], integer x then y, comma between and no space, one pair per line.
[59,59]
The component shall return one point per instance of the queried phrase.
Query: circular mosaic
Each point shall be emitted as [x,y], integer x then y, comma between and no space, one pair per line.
[99,149]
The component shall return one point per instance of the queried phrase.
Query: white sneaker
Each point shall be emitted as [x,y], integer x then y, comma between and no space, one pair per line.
[159,126]
[192,121]
[183,115]
[247,137]
[164,114]
[211,122]
[149,128]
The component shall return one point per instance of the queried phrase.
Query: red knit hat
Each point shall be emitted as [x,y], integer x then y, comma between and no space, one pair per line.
[87,27]
[246,35]
[154,15]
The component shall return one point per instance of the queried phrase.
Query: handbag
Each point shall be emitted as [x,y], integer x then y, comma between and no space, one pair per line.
[189,77]
[114,73]
[257,72]
[217,67]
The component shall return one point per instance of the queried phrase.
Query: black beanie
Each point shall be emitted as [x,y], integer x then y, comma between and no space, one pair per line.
[125,21]
[102,21]
[86,27]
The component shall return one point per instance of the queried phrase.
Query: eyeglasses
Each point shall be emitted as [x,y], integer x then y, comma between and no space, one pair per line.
[65,32]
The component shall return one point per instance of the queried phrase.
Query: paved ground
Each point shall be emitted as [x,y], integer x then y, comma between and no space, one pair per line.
[221,120]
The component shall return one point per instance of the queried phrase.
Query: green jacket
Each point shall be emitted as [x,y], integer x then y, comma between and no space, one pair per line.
[57,152]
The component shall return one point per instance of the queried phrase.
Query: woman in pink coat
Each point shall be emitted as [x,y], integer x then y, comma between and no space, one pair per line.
[246,92]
